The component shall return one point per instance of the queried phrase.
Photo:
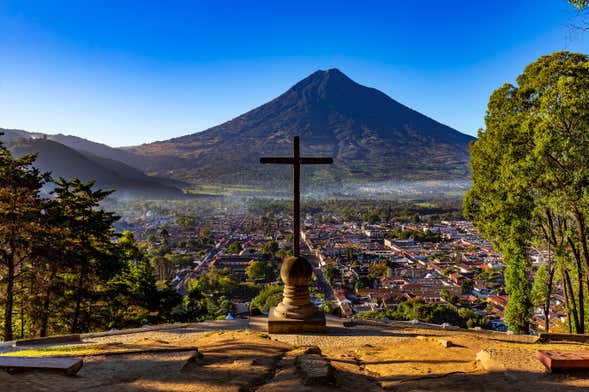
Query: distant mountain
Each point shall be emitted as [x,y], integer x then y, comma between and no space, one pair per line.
[119,154]
[98,149]
[11,135]
[63,161]
[371,137]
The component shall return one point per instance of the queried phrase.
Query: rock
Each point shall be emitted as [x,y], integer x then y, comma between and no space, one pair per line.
[442,342]
[488,360]
[196,360]
[448,326]
[316,369]
[244,362]
[303,350]
[445,342]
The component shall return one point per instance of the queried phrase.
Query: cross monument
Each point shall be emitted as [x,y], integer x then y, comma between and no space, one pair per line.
[296,313]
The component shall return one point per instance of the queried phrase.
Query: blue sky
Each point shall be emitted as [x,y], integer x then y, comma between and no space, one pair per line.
[129,72]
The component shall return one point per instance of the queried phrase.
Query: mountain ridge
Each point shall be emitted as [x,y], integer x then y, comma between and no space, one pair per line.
[371,136]
[359,126]
[63,161]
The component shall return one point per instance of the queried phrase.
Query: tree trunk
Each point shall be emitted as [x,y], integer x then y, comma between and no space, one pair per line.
[581,296]
[547,303]
[78,300]
[8,307]
[566,300]
[571,295]
[46,302]
[582,233]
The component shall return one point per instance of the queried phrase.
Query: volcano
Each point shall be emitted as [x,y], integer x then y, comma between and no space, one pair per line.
[371,137]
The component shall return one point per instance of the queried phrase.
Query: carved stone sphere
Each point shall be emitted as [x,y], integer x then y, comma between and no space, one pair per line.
[296,271]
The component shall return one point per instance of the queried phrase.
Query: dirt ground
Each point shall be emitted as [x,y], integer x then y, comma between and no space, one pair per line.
[361,357]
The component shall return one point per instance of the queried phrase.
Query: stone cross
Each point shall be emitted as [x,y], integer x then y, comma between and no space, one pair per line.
[296,313]
[296,161]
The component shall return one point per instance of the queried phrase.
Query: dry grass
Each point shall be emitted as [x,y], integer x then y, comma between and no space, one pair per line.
[69,350]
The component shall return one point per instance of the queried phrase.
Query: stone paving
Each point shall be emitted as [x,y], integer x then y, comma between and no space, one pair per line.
[239,355]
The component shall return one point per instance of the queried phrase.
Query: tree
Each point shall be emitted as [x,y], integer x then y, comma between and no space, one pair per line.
[331,272]
[541,292]
[63,267]
[134,296]
[93,256]
[269,249]
[378,269]
[185,221]
[529,172]
[359,285]
[234,248]
[195,304]
[20,213]
[466,286]
[218,283]
[260,271]
[581,5]
[267,298]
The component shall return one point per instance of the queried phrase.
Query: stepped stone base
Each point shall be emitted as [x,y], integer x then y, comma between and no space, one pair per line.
[285,325]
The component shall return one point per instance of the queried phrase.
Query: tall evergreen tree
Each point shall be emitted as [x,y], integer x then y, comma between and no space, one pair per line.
[20,213]
[92,256]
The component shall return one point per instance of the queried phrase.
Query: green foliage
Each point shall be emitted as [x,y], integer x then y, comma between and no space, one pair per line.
[466,286]
[20,213]
[446,296]
[218,283]
[234,248]
[179,261]
[580,4]
[378,269]
[418,236]
[283,253]
[539,287]
[74,273]
[195,304]
[220,286]
[260,271]
[417,309]
[269,249]
[134,296]
[371,218]
[359,285]
[185,221]
[267,298]
[331,272]
[529,170]
[353,209]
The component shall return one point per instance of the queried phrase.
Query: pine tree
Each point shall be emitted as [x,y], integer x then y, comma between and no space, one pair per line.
[20,213]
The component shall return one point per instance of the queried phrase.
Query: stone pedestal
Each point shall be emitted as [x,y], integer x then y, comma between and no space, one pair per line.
[296,313]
